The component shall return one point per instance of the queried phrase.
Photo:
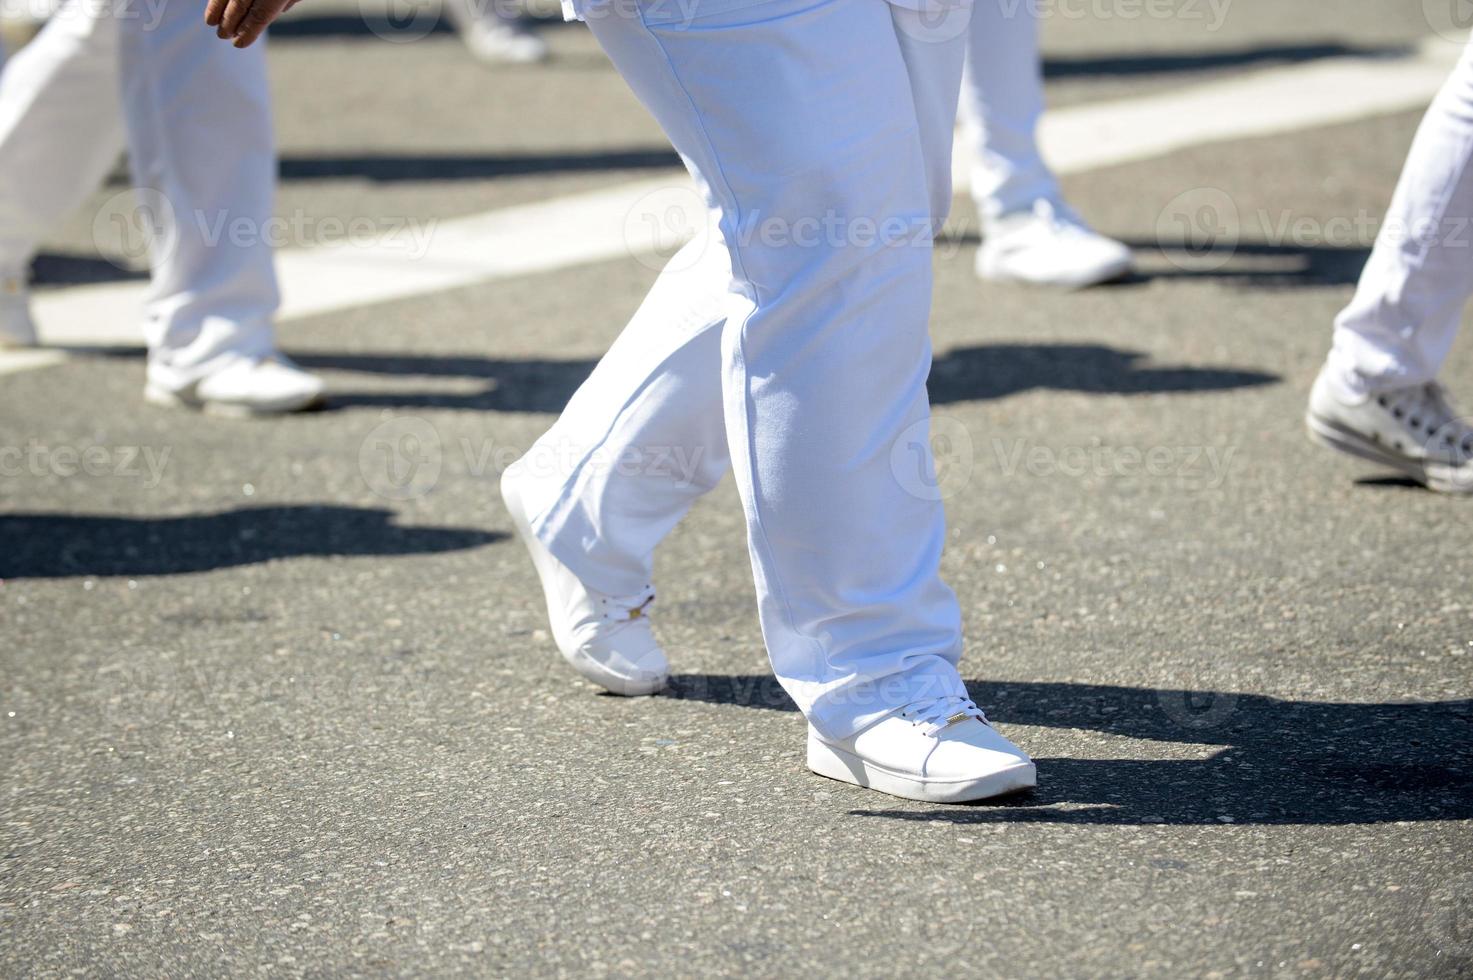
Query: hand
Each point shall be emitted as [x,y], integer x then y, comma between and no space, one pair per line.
[242,21]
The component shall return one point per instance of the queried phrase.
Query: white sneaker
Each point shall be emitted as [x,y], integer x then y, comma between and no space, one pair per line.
[1050,246]
[17,329]
[503,42]
[606,638]
[269,386]
[1415,430]
[942,750]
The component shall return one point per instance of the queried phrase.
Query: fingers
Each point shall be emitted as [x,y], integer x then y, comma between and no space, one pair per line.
[214,12]
[242,21]
[256,20]
[228,16]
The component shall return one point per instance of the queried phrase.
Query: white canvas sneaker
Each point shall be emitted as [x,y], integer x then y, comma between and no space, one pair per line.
[17,329]
[503,42]
[1414,430]
[942,750]
[1050,246]
[605,638]
[269,386]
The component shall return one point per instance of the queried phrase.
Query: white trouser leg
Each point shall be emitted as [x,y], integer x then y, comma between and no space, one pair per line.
[1002,101]
[643,437]
[60,127]
[198,115]
[1400,325]
[805,121]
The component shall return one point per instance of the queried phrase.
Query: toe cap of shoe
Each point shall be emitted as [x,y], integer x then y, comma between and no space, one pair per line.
[974,750]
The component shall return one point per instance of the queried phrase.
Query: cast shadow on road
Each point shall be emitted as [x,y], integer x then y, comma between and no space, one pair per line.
[1281,762]
[72,269]
[990,371]
[1260,265]
[431,167]
[963,374]
[1179,62]
[64,545]
[421,22]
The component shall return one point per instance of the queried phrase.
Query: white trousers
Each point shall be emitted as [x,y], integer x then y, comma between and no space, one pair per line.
[197,118]
[797,354]
[1002,102]
[1400,325]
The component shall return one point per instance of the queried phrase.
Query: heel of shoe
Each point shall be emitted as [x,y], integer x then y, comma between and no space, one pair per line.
[833,762]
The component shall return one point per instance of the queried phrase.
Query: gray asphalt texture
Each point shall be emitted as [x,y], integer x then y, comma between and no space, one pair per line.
[261,714]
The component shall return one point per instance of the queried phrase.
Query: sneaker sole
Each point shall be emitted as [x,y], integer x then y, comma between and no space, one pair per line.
[163,398]
[988,272]
[846,767]
[589,669]
[1332,435]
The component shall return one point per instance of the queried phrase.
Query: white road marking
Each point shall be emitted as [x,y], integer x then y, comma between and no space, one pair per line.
[499,244]
[1276,100]
[12,361]
[632,218]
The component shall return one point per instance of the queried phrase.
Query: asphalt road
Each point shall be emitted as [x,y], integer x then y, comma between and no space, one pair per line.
[262,712]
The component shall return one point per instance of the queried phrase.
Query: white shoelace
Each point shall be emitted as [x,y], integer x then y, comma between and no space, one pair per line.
[1428,411]
[934,714]
[627,609]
